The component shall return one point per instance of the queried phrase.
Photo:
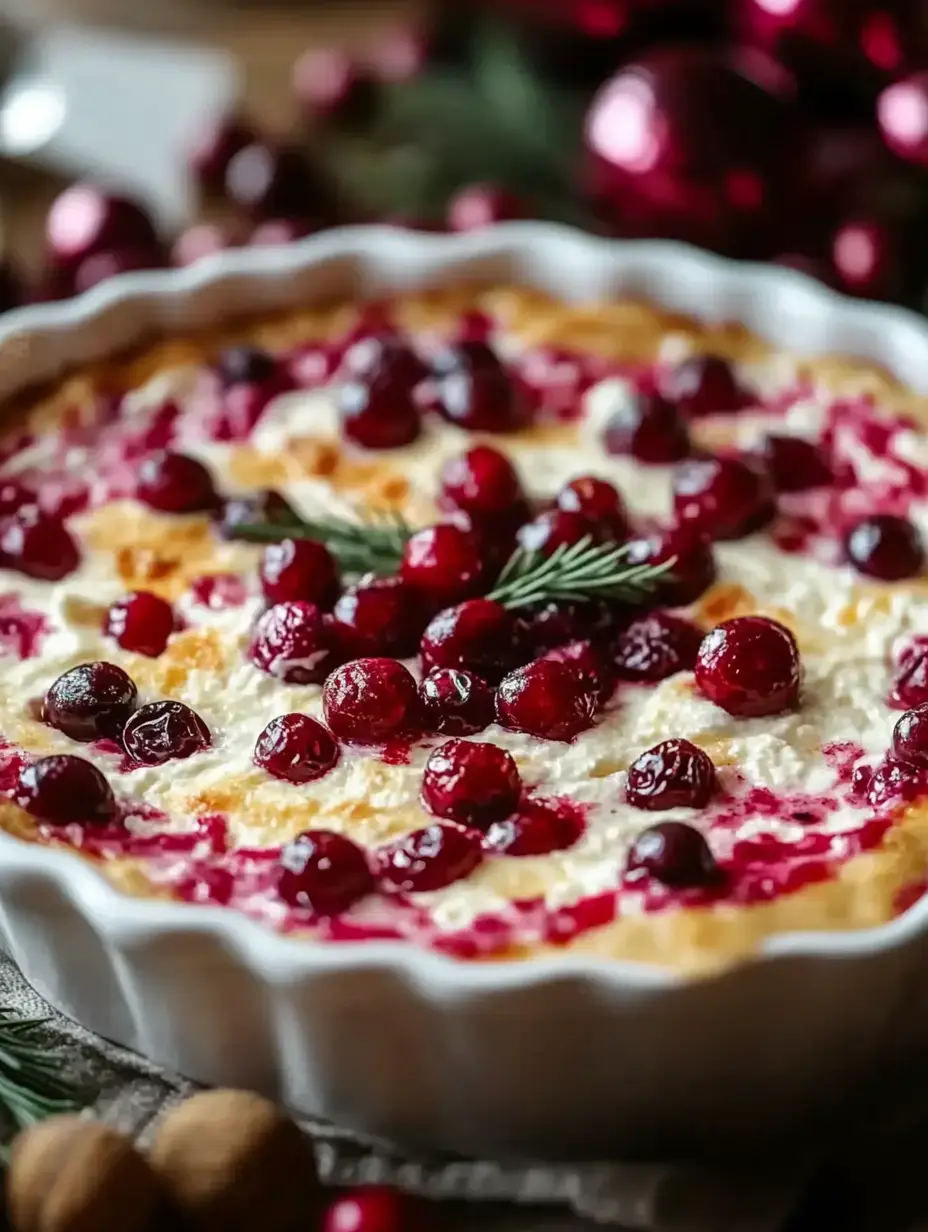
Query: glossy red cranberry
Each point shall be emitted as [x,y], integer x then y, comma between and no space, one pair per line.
[296,748]
[475,391]
[594,672]
[692,571]
[656,646]
[545,699]
[369,701]
[551,625]
[910,738]
[750,667]
[375,1208]
[725,497]
[215,148]
[482,482]
[268,181]
[443,563]
[648,428]
[675,854]
[537,829]
[265,506]
[376,399]
[471,782]
[902,110]
[378,616]
[885,546]
[324,872]
[455,702]
[141,622]
[175,483]
[674,774]
[38,545]
[291,642]
[476,635]
[553,529]
[599,503]
[62,789]
[332,86]
[245,365]
[869,259]
[100,266]
[14,495]
[794,464]
[428,859]
[481,205]
[84,221]
[90,702]
[704,385]
[299,569]
[164,731]
[910,679]
[204,239]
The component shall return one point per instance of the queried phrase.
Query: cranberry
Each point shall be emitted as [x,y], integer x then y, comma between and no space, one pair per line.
[470,782]
[266,506]
[325,872]
[164,731]
[795,464]
[62,789]
[910,681]
[277,231]
[299,569]
[14,495]
[100,266]
[584,659]
[656,646]
[84,221]
[482,481]
[868,258]
[675,854]
[175,483]
[428,859]
[369,701]
[910,738]
[674,774]
[249,365]
[455,703]
[296,748]
[539,828]
[399,55]
[376,400]
[553,529]
[444,563]
[902,110]
[650,429]
[141,622]
[885,546]
[477,634]
[376,617]
[215,148]
[599,503]
[750,667]
[704,385]
[290,641]
[38,545]
[725,497]
[545,628]
[545,699]
[374,1208]
[332,86]
[481,205]
[693,568]
[475,391]
[90,702]
[268,181]
[202,240]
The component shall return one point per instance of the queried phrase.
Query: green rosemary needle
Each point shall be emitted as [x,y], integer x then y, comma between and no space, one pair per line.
[372,544]
[581,572]
[32,1085]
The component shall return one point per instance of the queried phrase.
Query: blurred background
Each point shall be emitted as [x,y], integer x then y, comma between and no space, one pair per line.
[140,133]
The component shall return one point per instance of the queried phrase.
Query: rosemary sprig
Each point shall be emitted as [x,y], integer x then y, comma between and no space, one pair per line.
[581,572]
[32,1086]
[372,544]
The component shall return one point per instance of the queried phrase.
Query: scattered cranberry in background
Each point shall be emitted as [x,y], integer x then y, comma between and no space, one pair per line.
[215,148]
[886,547]
[867,258]
[331,86]
[539,828]
[140,622]
[85,221]
[38,545]
[268,181]
[704,385]
[175,483]
[910,738]
[398,55]
[443,563]
[264,506]
[481,205]
[750,667]
[599,503]
[378,616]
[164,731]
[299,569]
[428,859]
[370,701]
[101,266]
[902,111]
[910,679]
[794,464]
[553,529]
[656,646]
[675,854]
[471,782]
[482,482]
[692,572]
[276,231]
[474,390]
[591,667]
[204,239]
[296,748]
[63,789]
[546,699]
[674,774]
[455,702]
[323,871]
[376,398]
[375,1208]
[291,642]
[90,702]
[648,428]
[726,498]
[476,635]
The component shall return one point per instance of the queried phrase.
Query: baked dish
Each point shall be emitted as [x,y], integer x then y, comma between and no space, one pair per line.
[478,621]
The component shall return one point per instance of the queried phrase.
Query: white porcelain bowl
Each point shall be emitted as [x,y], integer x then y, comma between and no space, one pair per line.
[562,1056]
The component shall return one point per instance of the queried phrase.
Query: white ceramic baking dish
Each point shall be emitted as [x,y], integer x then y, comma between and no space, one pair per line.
[556,1057]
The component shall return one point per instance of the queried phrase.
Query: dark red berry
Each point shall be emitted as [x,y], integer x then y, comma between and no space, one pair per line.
[378,616]
[481,205]
[164,731]
[376,398]
[471,782]
[38,545]
[482,481]
[332,86]
[84,221]
[591,667]
[141,622]
[674,774]
[90,702]
[215,148]
[599,503]
[14,495]
[269,181]
[62,789]
[265,506]
[886,547]
[726,498]
[675,854]
[648,428]
[539,828]
[475,391]
[545,699]
[277,231]
[750,667]
[299,569]
[704,385]
[553,529]
[455,703]
[175,483]
[476,634]
[428,859]
[324,872]
[375,1208]
[204,239]
[795,464]
[656,646]
[692,571]
[555,624]
[443,563]
[910,738]
[245,365]
[107,264]
[910,681]
[369,701]
[296,748]
[291,642]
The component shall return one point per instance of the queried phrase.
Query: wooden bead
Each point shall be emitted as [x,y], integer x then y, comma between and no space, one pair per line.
[67,1174]
[233,1162]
